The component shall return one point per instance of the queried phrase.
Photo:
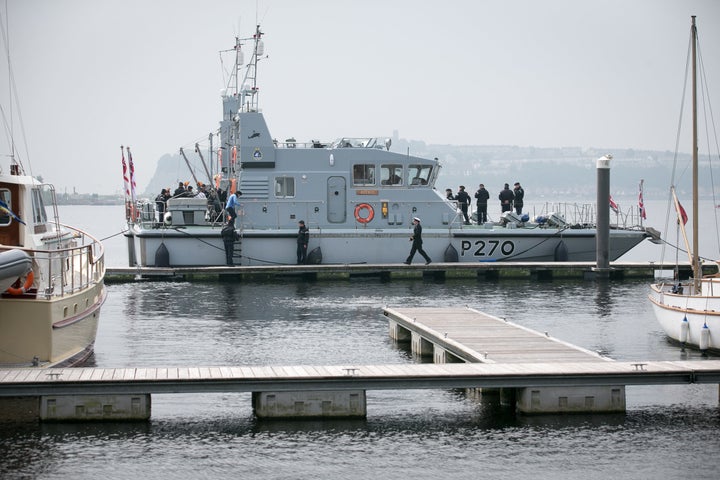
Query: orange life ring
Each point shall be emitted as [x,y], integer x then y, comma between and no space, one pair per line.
[370,214]
[28,283]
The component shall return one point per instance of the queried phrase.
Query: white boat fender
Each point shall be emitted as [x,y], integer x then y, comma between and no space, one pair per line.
[704,337]
[684,330]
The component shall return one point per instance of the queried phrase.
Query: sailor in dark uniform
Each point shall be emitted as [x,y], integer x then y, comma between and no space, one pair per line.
[229,237]
[417,243]
[302,242]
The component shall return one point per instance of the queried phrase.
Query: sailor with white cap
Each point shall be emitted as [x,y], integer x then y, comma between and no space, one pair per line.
[416,240]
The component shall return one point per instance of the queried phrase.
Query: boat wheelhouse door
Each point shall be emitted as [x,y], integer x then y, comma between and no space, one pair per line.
[336,200]
[9,228]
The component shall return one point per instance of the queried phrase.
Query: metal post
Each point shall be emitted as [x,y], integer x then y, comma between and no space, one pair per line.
[603,215]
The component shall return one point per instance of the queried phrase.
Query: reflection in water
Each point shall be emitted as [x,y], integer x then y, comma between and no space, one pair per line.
[445,433]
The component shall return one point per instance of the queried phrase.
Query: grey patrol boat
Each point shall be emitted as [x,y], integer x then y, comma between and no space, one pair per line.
[356,196]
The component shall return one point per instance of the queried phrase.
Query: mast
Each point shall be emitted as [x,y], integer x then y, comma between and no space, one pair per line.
[696,257]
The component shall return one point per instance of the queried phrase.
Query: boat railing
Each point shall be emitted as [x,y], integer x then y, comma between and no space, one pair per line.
[584,214]
[364,142]
[65,270]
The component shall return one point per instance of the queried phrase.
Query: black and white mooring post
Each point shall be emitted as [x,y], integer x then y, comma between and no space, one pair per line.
[603,215]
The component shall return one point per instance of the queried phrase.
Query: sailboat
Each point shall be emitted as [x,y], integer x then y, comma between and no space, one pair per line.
[689,311]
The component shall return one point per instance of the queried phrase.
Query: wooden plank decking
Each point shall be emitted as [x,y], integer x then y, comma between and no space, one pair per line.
[476,336]
[72,381]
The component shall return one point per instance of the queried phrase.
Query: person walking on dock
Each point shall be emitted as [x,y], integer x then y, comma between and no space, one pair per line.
[482,196]
[417,242]
[506,198]
[519,195]
[302,242]
[463,202]
[229,237]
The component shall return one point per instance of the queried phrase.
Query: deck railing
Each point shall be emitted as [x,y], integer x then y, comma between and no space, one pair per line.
[76,264]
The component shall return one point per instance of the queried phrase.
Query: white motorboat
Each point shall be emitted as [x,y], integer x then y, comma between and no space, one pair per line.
[51,279]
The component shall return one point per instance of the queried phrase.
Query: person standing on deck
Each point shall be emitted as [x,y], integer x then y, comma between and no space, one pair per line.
[302,242]
[180,190]
[519,195]
[506,199]
[160,206]
[232,202]
[463,202]
[417,242]
[482,196]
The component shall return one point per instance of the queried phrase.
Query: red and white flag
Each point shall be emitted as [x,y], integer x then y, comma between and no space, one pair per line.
[641,204]
[132,176]
[126,178]
[613,205]
[683,214]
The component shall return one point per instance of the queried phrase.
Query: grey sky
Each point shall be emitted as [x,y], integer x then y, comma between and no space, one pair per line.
[95,74]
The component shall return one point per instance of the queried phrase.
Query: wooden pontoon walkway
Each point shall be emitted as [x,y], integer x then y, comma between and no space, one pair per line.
[473,336]
[618,270]
[110,381]
[471,350]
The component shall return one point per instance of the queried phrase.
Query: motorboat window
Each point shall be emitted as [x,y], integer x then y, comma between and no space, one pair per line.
[5,207]
[284,187]
[39,215]
[419,174]
[363,174]
[391,174]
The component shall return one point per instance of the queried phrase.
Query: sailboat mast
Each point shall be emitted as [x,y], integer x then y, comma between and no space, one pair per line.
[696,256]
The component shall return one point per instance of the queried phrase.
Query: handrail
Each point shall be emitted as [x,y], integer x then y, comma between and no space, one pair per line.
[65,270]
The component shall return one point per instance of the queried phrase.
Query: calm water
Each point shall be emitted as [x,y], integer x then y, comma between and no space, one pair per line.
[667,432]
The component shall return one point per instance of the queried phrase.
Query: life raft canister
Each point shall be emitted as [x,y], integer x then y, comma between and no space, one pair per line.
[26,286]
[364,218]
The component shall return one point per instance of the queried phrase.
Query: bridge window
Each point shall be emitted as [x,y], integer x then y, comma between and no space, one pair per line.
[391,174]
[419,174]
[284,187]
[363,174]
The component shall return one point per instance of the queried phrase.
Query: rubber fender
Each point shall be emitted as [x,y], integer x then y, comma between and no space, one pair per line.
[162,256]
[314,257]
[451,254]
[561,252]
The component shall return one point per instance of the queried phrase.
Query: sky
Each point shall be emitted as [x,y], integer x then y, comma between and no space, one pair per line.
[92,75]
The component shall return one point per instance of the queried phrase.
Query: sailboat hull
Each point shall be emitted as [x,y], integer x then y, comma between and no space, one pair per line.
[688,319]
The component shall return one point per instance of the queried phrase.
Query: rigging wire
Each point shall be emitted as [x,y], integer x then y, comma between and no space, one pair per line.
[708,115]
[708,118]
[13,93]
